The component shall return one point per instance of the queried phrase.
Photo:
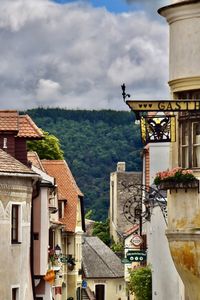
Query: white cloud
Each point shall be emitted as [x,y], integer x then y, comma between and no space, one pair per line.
[77,56]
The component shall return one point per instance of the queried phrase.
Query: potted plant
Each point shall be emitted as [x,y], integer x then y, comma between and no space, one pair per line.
[176,178]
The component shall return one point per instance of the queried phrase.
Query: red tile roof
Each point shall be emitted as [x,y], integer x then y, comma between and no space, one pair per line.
[9,120]
[28,129]
[67,190]
[22,125]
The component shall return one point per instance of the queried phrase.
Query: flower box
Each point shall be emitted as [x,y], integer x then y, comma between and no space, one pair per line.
[169,185]
[176,178]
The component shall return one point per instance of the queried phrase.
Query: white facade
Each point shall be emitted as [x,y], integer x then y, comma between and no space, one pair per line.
[166,283]
[15,273]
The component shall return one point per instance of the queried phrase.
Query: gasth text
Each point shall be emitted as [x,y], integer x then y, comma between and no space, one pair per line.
[164,105]
[179,105]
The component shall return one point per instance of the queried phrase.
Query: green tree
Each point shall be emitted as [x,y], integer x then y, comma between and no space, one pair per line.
[93,142]
[47,148]
[101,229]
[141,283]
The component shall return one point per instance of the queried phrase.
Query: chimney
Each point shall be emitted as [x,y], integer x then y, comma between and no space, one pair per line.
[121,166]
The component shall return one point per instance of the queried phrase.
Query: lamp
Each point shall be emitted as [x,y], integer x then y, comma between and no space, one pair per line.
[57,250]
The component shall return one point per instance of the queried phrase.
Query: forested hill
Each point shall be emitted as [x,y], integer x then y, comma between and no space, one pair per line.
[93,143]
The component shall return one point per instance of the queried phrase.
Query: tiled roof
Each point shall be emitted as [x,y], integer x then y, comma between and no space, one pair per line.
[22,125]
[35,160]
[99,261]
[28,129]
[9,120]
[8,164]
[67,190]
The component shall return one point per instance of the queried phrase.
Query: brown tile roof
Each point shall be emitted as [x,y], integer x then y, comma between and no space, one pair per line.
[10,120]
[67,190]
[35,160]
[8,164]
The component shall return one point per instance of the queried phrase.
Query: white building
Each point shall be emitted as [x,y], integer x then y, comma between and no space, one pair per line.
[166,283]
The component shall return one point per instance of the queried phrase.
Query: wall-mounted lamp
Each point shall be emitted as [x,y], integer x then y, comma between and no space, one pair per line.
[57,250]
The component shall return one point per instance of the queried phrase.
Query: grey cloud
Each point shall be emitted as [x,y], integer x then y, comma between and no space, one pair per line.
[76,56]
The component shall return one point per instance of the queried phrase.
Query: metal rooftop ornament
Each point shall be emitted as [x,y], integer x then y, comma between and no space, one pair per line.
[124,94]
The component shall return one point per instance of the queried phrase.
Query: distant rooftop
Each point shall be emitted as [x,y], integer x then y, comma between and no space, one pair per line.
[21,125]
[99,261]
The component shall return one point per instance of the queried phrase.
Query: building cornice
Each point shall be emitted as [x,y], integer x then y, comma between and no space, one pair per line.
[180,11]
[185,84]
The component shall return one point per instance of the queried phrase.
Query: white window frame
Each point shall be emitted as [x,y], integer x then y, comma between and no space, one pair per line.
[18,291]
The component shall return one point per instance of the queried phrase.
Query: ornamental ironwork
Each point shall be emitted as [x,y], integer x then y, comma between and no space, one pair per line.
[141,201]
[155,128]
[160,128]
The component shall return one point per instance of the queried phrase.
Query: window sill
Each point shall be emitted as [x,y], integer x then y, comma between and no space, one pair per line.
[16,243]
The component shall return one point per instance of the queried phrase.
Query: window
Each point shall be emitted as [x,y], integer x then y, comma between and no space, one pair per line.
[61,207]
[189,133]
[5,143]
[15,224]
[15,293]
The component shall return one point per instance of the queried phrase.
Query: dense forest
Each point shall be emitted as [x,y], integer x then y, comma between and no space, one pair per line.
[93,142]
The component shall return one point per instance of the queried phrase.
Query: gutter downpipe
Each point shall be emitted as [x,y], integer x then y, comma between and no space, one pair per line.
[31,238]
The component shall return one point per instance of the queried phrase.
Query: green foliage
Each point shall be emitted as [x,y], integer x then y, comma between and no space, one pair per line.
[117,247]
[93,143]
[141,283]
[88,214]
[101,229]
[47,148]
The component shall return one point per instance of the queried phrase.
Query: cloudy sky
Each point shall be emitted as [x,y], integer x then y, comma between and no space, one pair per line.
[76,54]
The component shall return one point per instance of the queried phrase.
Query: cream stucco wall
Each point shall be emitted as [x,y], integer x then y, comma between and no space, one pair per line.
[15,258]
[114,288]
[183,204]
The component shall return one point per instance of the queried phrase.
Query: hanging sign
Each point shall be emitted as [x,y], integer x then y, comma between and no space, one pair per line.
[136,256]
[136,240]
[164,105]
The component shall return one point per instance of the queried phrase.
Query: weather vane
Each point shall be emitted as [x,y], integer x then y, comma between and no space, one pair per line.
[124,94]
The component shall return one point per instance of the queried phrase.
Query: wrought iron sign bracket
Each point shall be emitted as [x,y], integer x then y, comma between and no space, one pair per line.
[158,118]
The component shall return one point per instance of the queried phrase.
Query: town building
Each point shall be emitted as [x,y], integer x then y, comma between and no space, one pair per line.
[183,234]
[17,192]
[44,217]
[71,214]
[155,159]
[103,272]
[121,182]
